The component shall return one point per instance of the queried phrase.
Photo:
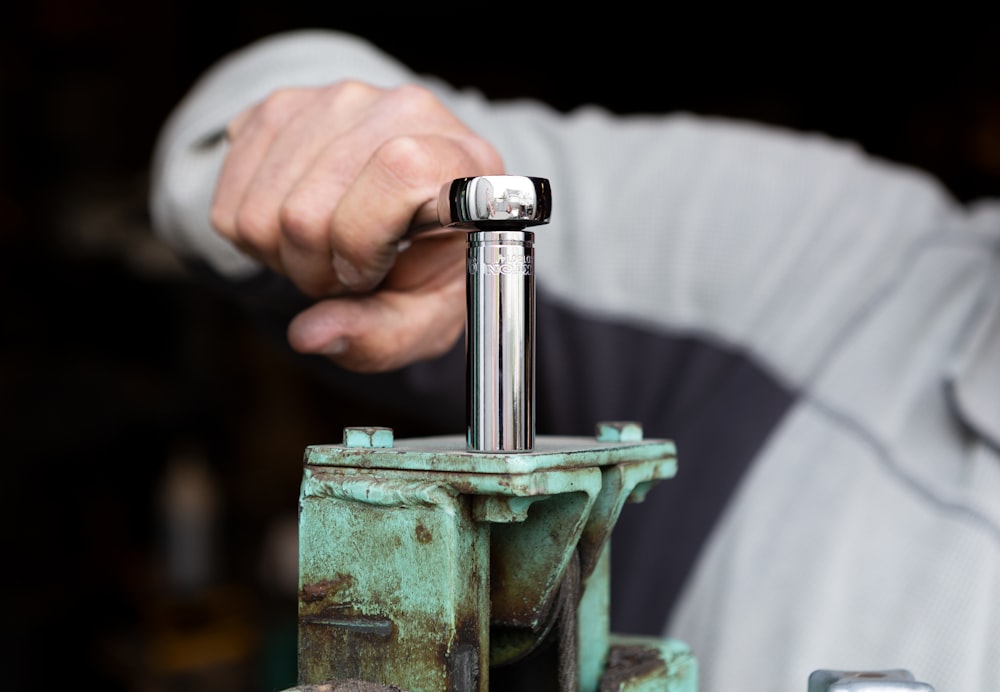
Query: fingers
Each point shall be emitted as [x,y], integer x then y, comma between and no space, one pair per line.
[402,178]
[384,330]
[252,135]
[320,183]
[272,146]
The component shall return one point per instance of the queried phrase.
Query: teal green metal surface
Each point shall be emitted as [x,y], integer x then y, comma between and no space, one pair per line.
[648,664]
[423,565]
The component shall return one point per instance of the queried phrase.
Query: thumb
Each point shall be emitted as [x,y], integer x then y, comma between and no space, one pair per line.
[383,331]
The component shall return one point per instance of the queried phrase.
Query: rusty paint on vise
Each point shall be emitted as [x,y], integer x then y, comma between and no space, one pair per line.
[393,582]
[422,564]
[645,664]
[319,591]
[449,453]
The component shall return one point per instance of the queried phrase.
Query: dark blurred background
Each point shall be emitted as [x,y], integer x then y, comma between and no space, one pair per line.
[152,439]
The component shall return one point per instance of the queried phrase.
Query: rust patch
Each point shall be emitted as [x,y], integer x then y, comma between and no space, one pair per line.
[319,590]
[627,663]
[430,653]
[424,534]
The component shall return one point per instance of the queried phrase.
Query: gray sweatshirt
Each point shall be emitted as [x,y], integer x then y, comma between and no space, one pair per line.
[817,330]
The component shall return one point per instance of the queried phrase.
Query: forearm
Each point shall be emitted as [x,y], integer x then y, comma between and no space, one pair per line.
[685,223]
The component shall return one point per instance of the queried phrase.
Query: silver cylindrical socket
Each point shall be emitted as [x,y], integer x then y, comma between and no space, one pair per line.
[500,341]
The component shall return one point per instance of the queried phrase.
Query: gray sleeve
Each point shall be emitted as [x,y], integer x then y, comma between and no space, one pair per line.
[191,146]
[755,237]
[758,237]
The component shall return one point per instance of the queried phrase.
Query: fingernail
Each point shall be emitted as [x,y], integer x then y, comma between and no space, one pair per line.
[335,347]
[346,272]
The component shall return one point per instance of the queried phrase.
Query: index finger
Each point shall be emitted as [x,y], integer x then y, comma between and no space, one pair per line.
[396,190]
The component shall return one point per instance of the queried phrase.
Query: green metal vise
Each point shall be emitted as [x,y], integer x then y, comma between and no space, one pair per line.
[424,565]
[446,563]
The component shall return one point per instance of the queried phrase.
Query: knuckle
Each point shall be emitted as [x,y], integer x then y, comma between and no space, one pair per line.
[414,97]
[346,95]
[406,158]
[252,228]
[301,225]
[349,90]
[273,111]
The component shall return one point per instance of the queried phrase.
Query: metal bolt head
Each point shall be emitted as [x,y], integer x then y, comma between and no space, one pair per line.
[619,431]
[495,202]
[371,436]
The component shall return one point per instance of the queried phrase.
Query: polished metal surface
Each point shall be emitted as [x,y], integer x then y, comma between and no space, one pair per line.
[500,347]
[513,200]
[499,201]
[500,302]
[500,299]
[895,680]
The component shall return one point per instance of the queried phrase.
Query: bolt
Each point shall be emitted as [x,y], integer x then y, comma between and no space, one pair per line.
[368,437]
[619,431]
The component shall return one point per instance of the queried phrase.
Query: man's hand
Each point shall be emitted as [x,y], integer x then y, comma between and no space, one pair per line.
[321,184]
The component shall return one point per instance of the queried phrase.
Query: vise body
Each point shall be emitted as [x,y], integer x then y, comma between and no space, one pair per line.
[430,567]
